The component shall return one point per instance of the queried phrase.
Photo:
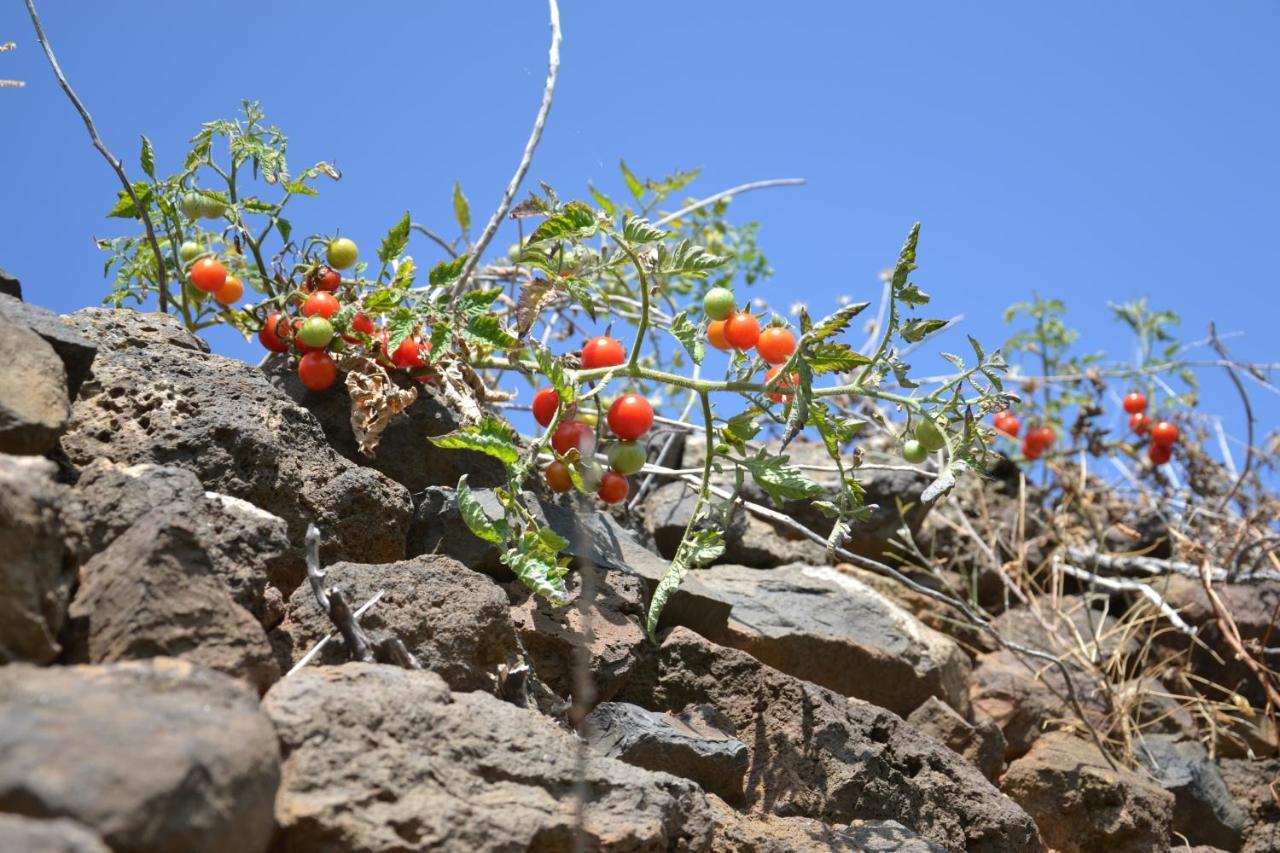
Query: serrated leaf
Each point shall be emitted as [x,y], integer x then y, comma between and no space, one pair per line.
[439,341]
[537,567]
[633,183]
[689,336]
[446,273]
[744,426]
[551,368]
[698,548]
[148,158]
[915,330]
[606,203]
[476,519]
[837,322]
[394,243]
[833,357]
[124,207]
[780,482]
[575,221]
[533,296]
[399,327]
[977,349]
[688,259]
[488,330]
[477,302]
[491,437]
[461,209]
[638,231]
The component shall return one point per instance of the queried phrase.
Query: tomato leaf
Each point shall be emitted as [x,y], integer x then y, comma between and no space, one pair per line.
[699,547]
[688,259]
[637,231]
[393,245]
[915,330]
[446,273]
[837,322]
[488,330]
[491,437]
[633,183]
[148,158]
[533,296]
[833,357]
[536,563]
[476,519]
[779,482]
[689,336]
[461,208]
[576,220]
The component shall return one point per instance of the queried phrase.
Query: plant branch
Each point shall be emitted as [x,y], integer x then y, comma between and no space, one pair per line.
[732,191]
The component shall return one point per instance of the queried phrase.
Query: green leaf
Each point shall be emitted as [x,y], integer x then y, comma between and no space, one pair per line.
[461,208]
[491,437]
[393,245]
[551,368]
[488,330]
[148,158]
[633,183]
[399,326]
[779,482]
[124,207]
[689,336]
[744,426]
[915,330]
[576,221]
[284,228]
[446,273]
[477,302]
[638,231]
[606,203]
[837,322]
[687,259]
[536,564]
[833,357]
[474,516]
[698,548]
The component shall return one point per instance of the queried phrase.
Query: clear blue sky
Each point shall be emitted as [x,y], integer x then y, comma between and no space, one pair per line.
[1094,151]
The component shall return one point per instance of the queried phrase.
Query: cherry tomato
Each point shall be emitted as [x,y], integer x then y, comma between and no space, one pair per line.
[362,324]
[558,478]
[1007,423]
[630,416]
[1139,423]
[408,354]
[602,352]
[914,452]
[742,330]
[1030,450]
[1040,438]
[613,488]
[208,275]
[545,405]
[343,253]
[211,208]
[929,435]
[627,457]
[321,302]
[1134,403]
[776,345]
[269,335]
[718,303]
[317,370]
[715,335]
[230,292]
[191,204]
[787,381]
[315,332]
[1164,433]
[328,279]
[189,251]
[574,434]
[1159,453]
[303,346]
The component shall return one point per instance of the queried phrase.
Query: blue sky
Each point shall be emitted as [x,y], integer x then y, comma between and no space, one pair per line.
[1095,151]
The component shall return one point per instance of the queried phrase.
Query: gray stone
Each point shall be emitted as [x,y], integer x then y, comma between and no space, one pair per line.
[1082,804]
[1204,810]
[9,284]
[158,756]
[693,743]
[153,592]
[1251,783]
[765,833]
[817,754]
[158,396]
[382,758]
[979,742]
[77,353]
[29,835]
[39,564]
[33,392]
[819,624]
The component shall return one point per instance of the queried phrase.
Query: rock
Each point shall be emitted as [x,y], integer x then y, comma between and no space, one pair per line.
[9,284]
[1204,810]
[247,546]
[816,754]
[980,742]
[1073,628]
[1253,785]
[404,452]
[39,564]
[693,744]
[935,614]
[553,635]
[382,758]
[1082,804]
[29,835]
[158,396]
[438,528]
[34,405]
[1008,691]
[76,352]
[827,627]
[454,621]
[739,833]
[158,756]
[154,592]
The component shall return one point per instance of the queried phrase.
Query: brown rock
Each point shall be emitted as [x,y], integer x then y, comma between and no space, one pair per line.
[765,833]
[1254,785]
[34,404]
[980,742]
[1082,804]
[30,835]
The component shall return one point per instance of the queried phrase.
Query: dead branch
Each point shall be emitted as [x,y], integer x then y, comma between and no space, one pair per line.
[1116,585]
[1231,634]
[1150,566]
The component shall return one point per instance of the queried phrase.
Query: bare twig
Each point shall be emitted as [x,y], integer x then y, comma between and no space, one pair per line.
[548,91]
[1119,585]
[162,283]
[1221,350]
[332,635]
[732,191]
[422,229]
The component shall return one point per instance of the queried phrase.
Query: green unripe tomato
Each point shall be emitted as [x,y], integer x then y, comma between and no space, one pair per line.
[343,253]
[191,204]
[316,332]
[718,303]
[513,252]
[211,208]
[189,251]
[914,452]
[626,457]
[928,434]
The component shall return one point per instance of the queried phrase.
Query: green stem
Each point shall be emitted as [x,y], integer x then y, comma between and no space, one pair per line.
[643,325]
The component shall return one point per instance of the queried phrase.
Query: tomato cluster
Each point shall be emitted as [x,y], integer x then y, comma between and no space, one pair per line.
[1163,433]
[731,329]
[1037,440]
[208,275]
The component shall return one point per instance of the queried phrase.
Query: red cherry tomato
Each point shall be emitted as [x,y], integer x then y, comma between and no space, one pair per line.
[776,345]
[574,434]
[1139,423]
[1159,453]
[613,488]
[408,354]
[1029,450]
[557,474]
[742,330]
[602,352]
[1007,423]
[1164,433]
[317,370]
[270,335]
[545,405]
[786,381]
[630,417]
[715,335]
[230,292]
[328,279]
[362,324]
[323,303]
[1040,438]
[1134,403]
[208,275]
[297,342]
